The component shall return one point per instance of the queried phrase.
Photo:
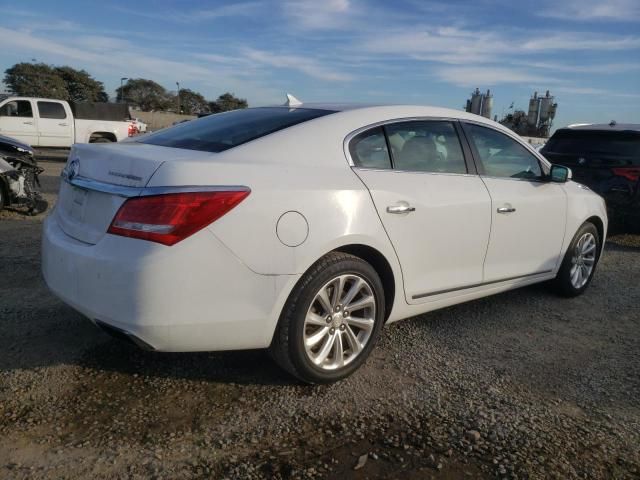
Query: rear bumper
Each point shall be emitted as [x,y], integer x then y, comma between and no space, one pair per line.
[194,296]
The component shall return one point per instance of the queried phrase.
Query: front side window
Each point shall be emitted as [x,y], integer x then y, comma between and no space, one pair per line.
[426,146]
[369,149]
[53,110]
[16,108]
[216,133]
[502,156]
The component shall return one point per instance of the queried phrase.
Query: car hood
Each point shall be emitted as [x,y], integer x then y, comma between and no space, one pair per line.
[11,146]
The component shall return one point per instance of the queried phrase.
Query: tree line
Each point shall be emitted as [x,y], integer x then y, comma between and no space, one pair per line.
[67,83]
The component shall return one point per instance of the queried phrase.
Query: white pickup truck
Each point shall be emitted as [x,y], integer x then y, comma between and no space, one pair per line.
[44,122]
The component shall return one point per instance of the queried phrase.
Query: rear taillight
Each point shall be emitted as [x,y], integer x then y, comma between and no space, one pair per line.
[630,173]
[133,130]
[172,217]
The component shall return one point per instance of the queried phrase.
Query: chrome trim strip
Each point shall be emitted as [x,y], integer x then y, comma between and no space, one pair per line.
[128,192]
[466,287]
[422,172]
[96,186]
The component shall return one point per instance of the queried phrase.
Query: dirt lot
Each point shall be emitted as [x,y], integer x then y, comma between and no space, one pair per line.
[519,385]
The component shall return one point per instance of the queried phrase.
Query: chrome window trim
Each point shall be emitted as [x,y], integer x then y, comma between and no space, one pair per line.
[517,179]
[129,192]
[350,136]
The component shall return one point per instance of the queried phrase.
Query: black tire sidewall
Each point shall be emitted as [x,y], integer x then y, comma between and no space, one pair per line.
[305,368]
[563,279]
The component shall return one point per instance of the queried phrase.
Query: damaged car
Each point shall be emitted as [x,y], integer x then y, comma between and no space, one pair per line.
[19,183]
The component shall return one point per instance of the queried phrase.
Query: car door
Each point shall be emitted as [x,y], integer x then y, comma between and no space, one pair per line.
[435,210]
[528,211]
[17,121]
[55,124]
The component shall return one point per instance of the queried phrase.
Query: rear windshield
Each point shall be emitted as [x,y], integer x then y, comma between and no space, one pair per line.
[615,144]
[223,131]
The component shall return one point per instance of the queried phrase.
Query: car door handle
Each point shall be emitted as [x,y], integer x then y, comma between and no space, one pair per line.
[27,123]
[506,210]
[402,207]
[63,124]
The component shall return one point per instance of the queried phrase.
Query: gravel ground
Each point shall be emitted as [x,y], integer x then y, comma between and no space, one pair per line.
[518,385]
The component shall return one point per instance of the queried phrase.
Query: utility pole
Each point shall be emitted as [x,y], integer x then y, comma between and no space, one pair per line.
[178,84]
[121,92]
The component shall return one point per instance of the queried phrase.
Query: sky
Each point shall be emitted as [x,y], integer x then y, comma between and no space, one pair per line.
[586,52]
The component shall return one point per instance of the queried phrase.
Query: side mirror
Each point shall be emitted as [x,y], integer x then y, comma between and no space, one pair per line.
[560,173]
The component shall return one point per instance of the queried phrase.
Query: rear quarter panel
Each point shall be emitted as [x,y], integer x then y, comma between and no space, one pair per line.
[321,186]
[299,169]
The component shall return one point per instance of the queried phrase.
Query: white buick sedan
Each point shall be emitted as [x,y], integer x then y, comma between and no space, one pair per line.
[305,228]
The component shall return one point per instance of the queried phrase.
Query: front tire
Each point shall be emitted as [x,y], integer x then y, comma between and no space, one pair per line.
[579,263]
[331,320]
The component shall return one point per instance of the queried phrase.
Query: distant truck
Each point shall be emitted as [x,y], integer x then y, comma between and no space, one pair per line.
[44,122]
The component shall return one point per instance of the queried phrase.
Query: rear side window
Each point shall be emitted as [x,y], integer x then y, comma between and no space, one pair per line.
[426,146]
[369,149]
[614,144]
[51,110]
[16,108]
[216,133]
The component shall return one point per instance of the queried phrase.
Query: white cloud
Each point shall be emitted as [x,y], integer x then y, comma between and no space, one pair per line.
[597,68]
[302,64]
[589,10]
[234,10]
[473,76]
[132,62]
[581,41]
[318,14]
[460,46]
[595,91]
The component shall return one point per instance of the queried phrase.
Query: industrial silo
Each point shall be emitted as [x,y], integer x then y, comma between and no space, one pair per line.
[476,102]
[545,107]
[534,107]
[487,105]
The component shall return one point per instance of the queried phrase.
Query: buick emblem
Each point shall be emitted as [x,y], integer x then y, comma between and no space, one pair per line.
[72,169]
[582,160]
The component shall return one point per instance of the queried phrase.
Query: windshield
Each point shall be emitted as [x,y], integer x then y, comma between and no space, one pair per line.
[615,144]
[223,131]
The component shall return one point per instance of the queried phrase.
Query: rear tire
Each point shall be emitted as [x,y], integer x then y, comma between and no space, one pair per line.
[579,263]
[101,140]
[331,320]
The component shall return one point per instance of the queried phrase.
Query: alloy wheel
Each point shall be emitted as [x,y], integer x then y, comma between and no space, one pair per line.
[339,322]
[583,260]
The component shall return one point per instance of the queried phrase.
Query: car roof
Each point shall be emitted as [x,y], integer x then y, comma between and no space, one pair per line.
[393,110]
[605,127]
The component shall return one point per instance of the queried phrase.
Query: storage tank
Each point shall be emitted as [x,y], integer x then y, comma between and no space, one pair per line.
[534,106]
[476,102]
[545,108]
[487,105]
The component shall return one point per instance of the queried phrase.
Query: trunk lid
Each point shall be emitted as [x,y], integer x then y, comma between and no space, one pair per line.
[102,176]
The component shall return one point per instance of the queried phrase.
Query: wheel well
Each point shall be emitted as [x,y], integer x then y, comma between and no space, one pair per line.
[597,222]
[381,266]
[107,135]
